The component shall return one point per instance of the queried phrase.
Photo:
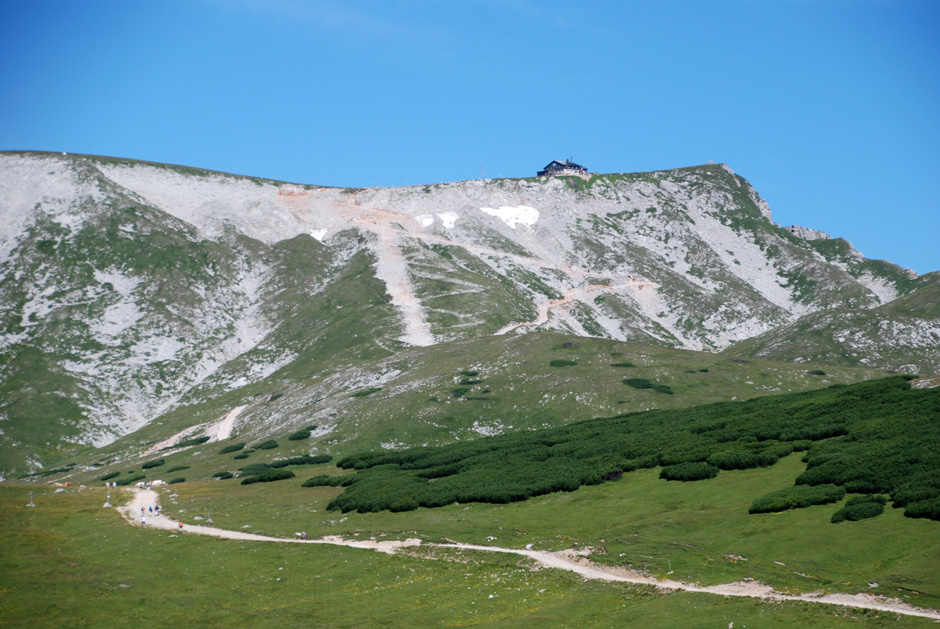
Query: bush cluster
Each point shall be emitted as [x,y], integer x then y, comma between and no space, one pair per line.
[796,498]
[188,442]
[270,444]
[689,471]
[151,464]
[562,362]
[306,459]
[110,476]
[268,476]
[49,472]
[924,509]
[330,481]
[303,433]
[873,437]
[860,508]
[179,479]
[223,475]
[131,479]
[232,448]
[177,468]
[643,383]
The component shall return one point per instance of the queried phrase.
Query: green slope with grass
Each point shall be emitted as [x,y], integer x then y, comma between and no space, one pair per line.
[68,562]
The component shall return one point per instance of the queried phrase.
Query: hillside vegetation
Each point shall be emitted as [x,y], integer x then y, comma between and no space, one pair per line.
[876,437]
[132,293]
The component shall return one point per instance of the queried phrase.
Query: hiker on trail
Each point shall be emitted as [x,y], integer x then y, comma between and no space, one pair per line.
[143,520]
[181,526]
[303,535]
[150,509]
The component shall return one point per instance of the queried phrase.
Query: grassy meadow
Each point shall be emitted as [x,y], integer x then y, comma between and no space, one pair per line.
[69,562]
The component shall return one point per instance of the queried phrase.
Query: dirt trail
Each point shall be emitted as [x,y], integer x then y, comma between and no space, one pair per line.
[563,560]
[575,294]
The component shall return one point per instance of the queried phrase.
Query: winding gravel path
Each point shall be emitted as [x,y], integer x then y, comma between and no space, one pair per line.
[564,560]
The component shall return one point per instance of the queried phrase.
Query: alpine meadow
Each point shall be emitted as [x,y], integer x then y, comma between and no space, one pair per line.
[571,399]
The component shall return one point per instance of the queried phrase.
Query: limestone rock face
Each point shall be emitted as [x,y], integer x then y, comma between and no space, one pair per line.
[129,288]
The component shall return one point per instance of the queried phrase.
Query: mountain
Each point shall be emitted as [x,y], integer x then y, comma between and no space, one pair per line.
[132,291]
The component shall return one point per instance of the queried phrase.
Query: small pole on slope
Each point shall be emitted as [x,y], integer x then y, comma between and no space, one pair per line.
[31,504]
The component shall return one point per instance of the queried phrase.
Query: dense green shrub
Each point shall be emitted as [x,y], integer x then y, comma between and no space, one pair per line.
[459,391]
[232,448]
[154,463]
[243,455]
[179,479]
[49,472]
[306,459]
[222,475]
[734,459]
[131,479]
[303,433]
[860,508]
[330,481]
[189,442]
[268,477]
[366,392]
[689,471]
[270,444]
[254,468]
[872,437]
[816,372]
[643,383]
[623,364]
[470,373]
[562,362]
[797,497]
[924,509]
[110,476]
[177,468]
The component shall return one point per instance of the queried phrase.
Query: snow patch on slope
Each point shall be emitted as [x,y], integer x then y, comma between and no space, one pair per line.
[512,216]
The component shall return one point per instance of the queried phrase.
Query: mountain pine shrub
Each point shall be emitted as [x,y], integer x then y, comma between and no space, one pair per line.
[268,476]
[151,464]
[924,509]
[303,433]
[878,437]
[689,471]
[860,508]
[232,448]
[796,498]
[131,479]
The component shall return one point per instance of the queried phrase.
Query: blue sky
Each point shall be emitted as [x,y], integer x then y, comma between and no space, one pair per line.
[829,108]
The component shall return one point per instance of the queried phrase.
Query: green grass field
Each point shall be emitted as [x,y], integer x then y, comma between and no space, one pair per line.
[69,562]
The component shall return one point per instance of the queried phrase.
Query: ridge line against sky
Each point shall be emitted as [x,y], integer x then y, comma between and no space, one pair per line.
[828,107]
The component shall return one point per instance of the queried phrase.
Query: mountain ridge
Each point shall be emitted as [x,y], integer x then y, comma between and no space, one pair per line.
[130,288]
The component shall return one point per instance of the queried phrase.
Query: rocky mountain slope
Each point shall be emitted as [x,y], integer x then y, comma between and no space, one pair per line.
[129,289]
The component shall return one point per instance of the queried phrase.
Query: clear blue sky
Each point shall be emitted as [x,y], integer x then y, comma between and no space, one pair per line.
[830,108]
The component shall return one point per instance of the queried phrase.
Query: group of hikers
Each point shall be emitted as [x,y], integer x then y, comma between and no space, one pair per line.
[153,510]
